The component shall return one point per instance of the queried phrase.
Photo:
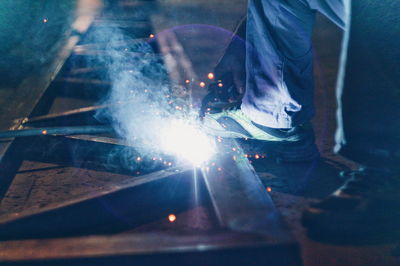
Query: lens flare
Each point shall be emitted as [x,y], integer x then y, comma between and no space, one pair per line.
[188,142]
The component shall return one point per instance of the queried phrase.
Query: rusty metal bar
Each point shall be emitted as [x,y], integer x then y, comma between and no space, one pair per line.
[228,248]
[135,199]
[27,95]
[72,130]
[239,198]
[74,114]
[240,202]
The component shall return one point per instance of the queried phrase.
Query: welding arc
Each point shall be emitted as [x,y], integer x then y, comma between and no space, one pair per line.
[73,130]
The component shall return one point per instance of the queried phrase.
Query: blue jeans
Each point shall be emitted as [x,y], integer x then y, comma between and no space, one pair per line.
[279,59]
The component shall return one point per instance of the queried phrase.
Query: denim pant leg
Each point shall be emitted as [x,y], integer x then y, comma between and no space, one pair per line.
[279,60]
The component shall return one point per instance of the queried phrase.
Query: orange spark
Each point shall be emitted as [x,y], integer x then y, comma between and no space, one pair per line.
[210,75]
[269,189]
[187,81]
[44,132]
[202,84]
[220,85]
[45,20]
[151,36]
[172,218]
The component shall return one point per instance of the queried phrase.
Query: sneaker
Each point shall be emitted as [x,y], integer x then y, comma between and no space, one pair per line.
[367,206]
[294,144]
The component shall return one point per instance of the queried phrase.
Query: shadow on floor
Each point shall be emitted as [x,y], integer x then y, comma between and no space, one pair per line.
[314,179]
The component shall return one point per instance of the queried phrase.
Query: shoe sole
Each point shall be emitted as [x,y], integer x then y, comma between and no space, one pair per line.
[281,150]
[214,128]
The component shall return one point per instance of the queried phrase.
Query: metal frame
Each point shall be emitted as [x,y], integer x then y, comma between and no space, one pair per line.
[246,216]
[244,210]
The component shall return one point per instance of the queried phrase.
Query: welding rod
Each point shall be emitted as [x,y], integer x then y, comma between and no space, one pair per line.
[73,130]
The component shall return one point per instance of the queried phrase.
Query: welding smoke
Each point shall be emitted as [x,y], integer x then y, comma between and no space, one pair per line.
[146,107]
[142,98]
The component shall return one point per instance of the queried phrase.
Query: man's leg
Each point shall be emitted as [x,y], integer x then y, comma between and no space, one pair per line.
[278,102]
[280,84]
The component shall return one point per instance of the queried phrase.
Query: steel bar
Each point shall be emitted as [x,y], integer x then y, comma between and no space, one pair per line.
[241,204]
[55,131]
[94,82]
[101,46]
[102,53]
[142,24]
[100,139]
[134,199]
[85,70]
[240,200]
[75,114]
[99,153]
[233,249]
[27,95]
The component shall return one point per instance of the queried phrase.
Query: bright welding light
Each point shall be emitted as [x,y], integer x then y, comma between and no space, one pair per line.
[188,142]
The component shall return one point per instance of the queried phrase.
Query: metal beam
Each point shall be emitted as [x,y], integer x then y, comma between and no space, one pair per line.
[135,200]
[239,198]
[227,248]
[27,95]
[241,204]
